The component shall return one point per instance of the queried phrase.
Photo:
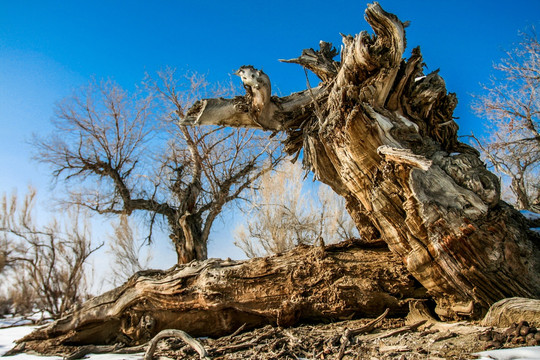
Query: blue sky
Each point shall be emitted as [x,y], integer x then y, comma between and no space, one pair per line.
[50,48]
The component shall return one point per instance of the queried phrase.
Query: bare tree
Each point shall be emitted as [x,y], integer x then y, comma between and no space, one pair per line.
[512,106]
[127,153]
[336,222]
[47,262]
[283,213]
[126,254]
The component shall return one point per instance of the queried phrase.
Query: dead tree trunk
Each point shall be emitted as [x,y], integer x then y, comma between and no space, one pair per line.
[381,134]
[216,297]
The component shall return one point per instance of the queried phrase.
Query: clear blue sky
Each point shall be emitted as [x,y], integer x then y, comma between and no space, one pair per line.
[49,48]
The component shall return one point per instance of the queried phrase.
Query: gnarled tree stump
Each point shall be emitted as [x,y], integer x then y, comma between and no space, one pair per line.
[381,134]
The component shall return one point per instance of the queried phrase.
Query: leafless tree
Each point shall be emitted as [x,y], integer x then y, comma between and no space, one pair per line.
[282,214]
[127,258]
[127,153]
[46,263]
[512,106]
[336,221]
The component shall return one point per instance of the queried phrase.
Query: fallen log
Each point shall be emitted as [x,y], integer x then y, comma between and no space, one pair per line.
[382,134]
[215,297]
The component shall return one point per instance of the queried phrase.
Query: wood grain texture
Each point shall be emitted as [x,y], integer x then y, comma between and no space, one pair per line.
[215,297]
[381,133]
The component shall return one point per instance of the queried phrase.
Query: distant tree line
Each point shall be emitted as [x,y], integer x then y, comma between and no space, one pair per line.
[43,266]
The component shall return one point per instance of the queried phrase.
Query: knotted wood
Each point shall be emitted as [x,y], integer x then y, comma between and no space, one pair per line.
[381,133]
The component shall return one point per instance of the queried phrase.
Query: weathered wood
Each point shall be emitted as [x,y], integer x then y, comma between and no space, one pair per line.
[382,134]
[401,330]
[320,62]
[216,297]
[510,311]
[152,345]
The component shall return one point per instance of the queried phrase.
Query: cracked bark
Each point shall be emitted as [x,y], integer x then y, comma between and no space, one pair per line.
[381,133]
[215,297]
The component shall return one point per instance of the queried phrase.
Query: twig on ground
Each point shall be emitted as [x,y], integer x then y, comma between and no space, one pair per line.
[91,349]
[401,330]
[444,336]
[347,334]
[237,331]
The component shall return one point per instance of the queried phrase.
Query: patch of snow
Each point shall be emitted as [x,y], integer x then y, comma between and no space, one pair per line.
[522,353]
[9,336]
[530,215]
[419,78]
[14,321]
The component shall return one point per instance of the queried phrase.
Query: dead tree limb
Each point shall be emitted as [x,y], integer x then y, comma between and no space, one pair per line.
[348,334]
[382,134]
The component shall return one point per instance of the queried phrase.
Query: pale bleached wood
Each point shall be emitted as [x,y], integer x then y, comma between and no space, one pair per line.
[381,133]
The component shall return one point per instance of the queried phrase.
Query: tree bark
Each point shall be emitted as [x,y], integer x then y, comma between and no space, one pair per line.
[189,241]
[382,134]
[215,297]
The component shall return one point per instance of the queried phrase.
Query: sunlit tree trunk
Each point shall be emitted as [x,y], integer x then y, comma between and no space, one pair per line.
[215,297]
[382,134]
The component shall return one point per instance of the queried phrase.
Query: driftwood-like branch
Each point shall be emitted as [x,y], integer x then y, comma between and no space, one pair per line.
[197,346]
[348,333]
[236,112]
[320,62]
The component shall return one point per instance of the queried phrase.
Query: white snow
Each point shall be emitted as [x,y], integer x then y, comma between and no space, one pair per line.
[9,335]
[529,352]
[17,320]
